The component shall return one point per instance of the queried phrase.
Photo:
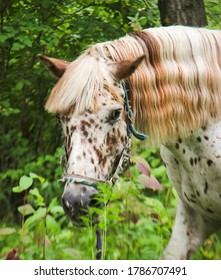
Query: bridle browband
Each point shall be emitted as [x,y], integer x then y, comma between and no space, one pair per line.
[124,158]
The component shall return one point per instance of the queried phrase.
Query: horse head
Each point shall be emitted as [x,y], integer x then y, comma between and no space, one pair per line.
[89,100]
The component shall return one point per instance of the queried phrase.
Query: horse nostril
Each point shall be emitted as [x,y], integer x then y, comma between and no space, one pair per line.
[94,201]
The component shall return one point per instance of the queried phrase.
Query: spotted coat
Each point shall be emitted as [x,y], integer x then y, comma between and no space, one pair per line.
[194,167]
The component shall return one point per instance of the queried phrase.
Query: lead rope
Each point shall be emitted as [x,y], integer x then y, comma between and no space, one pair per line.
[98,245]
[130,126]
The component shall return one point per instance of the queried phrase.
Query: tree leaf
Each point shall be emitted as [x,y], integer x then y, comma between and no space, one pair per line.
[35,176]
[52,225]
[27,42]
[57,210]
[3,38]
[159,170]
[7,231]
[17,46]
[40,214]
[26,209]
[150,182]
[39,198]
[142,165]
[25,182]
[16,189]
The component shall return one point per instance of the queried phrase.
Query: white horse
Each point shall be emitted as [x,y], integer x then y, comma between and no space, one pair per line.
[173,78]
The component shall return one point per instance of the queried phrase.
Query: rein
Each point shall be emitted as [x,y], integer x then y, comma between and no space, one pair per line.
[130,126]
[124,158]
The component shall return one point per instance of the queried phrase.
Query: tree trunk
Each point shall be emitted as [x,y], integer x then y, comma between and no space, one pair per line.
[183,12]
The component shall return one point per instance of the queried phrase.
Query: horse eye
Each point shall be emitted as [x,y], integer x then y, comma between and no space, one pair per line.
[114,116]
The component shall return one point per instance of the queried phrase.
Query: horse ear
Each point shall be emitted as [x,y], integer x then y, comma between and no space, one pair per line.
[123,69]
[56,66]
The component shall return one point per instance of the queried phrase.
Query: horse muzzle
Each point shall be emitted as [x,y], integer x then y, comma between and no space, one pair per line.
[76,201]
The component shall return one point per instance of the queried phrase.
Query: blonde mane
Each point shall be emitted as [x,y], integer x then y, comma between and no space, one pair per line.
[176,90]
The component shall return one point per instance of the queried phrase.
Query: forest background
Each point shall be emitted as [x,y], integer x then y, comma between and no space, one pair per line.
[138,220]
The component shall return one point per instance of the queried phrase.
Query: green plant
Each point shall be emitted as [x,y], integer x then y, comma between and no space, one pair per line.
[136,220]
[128,213]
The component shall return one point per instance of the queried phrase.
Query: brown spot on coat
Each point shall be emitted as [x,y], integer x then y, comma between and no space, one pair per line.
[104,162]
[191,161]
[85,133]
[73,128]
[113,140]
[108,139]
[186,197]
[67,130]
[206,187]
[68,142]
[98,153]
[209,210]
[177,162]
[209,162]
[85,123]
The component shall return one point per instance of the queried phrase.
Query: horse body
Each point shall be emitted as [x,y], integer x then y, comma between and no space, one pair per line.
[194,167]
[173,77]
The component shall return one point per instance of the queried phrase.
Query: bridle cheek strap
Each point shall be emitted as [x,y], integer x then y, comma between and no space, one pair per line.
[90,182]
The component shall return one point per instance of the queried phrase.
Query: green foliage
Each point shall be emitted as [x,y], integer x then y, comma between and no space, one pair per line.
[213,13]
[125,221]
[24,183]
[136,221]
[57,29]
[136,224]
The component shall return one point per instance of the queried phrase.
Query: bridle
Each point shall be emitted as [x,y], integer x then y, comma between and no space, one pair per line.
[124,158]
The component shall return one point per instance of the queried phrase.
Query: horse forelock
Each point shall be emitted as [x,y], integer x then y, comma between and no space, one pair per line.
[178,88]
[78,88]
